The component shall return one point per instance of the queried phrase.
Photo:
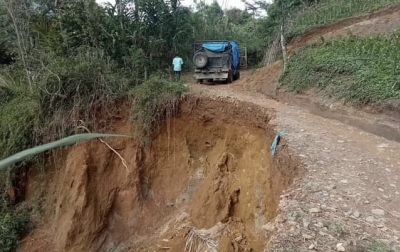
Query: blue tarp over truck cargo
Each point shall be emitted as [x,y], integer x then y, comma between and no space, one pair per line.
[221,47]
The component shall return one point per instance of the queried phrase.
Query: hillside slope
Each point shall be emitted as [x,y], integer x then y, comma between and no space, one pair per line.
[381,23]
[378,22]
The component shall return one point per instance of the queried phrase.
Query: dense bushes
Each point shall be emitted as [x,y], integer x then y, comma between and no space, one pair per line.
[66,89]
[13,224]
[18,118]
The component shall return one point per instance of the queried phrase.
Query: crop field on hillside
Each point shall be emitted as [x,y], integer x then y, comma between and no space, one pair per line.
[334,10]
[362,70]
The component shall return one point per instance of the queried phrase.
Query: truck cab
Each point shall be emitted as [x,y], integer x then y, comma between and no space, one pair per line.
[217,61]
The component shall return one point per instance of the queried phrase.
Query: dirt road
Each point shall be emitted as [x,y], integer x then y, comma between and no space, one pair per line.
[351,188]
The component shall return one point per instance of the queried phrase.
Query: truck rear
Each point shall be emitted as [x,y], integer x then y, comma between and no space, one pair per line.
[216,61]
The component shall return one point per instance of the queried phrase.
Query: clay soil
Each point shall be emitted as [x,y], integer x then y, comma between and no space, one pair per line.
[210,165]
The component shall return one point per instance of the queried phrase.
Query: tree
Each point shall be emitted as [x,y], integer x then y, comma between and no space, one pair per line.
[6,37]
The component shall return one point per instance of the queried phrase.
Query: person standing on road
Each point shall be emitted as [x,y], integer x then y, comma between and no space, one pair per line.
[177,62]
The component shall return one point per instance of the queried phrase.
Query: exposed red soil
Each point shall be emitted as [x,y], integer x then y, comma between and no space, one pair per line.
[209,164]
[263,80]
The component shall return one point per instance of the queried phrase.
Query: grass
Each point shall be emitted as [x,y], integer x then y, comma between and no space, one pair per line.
[340,229]
[18,118]
[377,246]
[360,70]
[65,90]
[13,225]
[153,100]
[330,11]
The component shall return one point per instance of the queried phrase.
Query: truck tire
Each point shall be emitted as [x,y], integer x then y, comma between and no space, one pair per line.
[230,77]
[237,75]
[200,59]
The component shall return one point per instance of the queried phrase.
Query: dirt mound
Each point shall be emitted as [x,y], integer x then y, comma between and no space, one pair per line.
[262,80]
[199,173]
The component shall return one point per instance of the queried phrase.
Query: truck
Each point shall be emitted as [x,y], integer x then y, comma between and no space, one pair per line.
[218,60]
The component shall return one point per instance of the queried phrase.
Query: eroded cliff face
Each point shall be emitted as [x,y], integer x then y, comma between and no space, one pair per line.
[209,165]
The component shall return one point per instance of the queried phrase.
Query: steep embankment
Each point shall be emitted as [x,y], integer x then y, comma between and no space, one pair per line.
[209,164]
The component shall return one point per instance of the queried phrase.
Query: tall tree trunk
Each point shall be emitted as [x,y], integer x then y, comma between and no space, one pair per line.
[119,7]
[21,29]
[283,43]
[174,5]
[283,48]
[136,11]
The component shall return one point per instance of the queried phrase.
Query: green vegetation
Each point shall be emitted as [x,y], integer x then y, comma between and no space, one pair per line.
[301,16]
[340,229]
[155,99]
[330,11]
[364,71]
[18,118]
[13,225]
[378,246]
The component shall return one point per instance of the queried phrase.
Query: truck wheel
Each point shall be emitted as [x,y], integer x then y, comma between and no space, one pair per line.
[230,78]
[200,59]
[199,81]
[236,76]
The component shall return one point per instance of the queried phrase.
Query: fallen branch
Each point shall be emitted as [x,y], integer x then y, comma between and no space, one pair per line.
[165,248]
[199,240]
[124,163]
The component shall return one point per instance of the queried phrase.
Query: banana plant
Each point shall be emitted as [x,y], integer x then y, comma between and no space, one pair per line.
[20,156]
